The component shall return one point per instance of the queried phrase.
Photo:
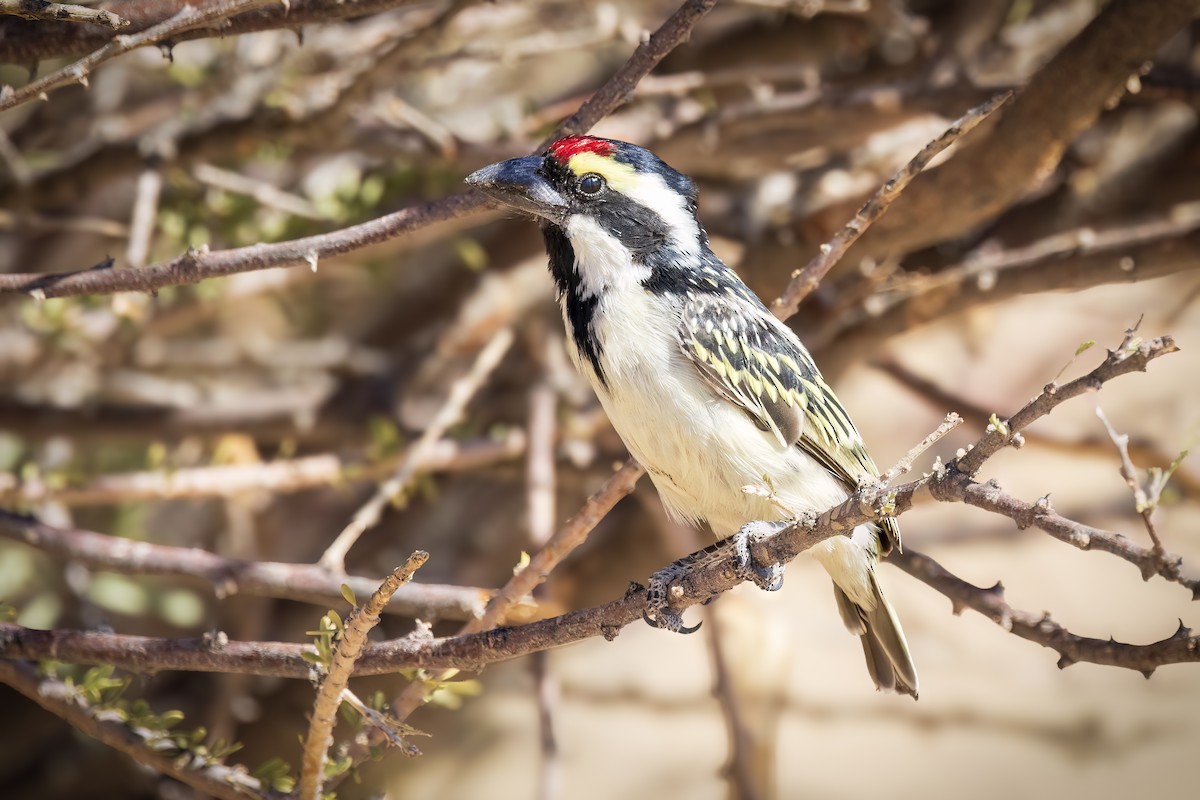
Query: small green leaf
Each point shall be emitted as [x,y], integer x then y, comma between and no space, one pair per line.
[1084,347]
[348,594]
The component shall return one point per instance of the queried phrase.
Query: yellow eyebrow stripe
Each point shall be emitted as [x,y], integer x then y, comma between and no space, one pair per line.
[620,177]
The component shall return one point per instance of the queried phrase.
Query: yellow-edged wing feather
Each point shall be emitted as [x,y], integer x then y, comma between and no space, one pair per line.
[752,360]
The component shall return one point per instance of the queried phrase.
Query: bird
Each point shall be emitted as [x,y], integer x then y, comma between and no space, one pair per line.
[707,389]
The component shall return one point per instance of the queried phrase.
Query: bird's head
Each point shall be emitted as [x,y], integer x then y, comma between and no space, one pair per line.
[592,189]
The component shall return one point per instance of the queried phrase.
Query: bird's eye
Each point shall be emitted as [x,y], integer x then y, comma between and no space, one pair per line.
[591,183]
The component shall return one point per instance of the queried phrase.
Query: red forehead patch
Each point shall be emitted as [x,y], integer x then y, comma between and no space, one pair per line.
[566,148]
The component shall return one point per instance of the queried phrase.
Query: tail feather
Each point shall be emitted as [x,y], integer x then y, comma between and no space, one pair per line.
[888,659]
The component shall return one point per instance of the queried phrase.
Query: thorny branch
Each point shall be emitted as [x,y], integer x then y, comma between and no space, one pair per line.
[1179,647]
[61,12]
[709,577]
[78,72]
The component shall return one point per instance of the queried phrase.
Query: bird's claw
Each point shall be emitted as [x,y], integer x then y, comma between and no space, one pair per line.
[658,612]
[769,578]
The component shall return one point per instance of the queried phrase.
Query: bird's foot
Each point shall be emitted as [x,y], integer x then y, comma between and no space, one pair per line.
[658,612]
[663,586]
[768,578]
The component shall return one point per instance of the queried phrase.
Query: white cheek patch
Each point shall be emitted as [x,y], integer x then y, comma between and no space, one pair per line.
[603,262]
[651,191]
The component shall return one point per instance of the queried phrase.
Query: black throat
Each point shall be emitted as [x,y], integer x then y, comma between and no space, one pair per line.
[579,310]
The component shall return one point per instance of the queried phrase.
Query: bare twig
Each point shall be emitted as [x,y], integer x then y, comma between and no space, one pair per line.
[260,191]
[78,72]
[218,780]
[329,693]
[620,87]
[145,216]
[805,280]
[464,389]
[540,489]
[280,476]
[902,466]
[977,415]
[1143,504]
[43,44]
[61,12]
[307,583]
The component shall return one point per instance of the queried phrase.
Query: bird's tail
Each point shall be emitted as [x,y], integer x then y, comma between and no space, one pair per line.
[888,660]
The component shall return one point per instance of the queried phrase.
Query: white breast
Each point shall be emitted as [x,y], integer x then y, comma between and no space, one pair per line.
[699,448]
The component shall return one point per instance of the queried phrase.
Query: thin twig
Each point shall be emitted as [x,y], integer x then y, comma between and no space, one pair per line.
[329,693]
[461,393]
[618,89]
[902,466]
[1144,507]
[306,583]
[78,72]
[540,492]
[145,216]
[805,280]
[263,192]
[976,415]
[1040,514]
[61,700]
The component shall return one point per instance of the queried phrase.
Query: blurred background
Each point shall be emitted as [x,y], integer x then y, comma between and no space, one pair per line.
[972,296]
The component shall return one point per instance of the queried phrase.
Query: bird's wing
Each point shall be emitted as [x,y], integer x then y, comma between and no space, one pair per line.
[752,360]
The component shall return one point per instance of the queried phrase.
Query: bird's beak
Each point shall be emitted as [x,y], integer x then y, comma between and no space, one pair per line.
[520,183]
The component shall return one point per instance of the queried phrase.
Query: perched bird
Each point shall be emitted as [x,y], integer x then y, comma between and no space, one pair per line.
[708,390]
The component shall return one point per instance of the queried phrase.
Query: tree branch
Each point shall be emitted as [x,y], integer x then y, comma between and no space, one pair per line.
[280,476]
[334,557]
[1030,137]
[1180,647]
[43,42]
[197,265]
[329,693]
[308,583]
[60,12]
[805,280]
[1132,355]
[990,497]
[78,72]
